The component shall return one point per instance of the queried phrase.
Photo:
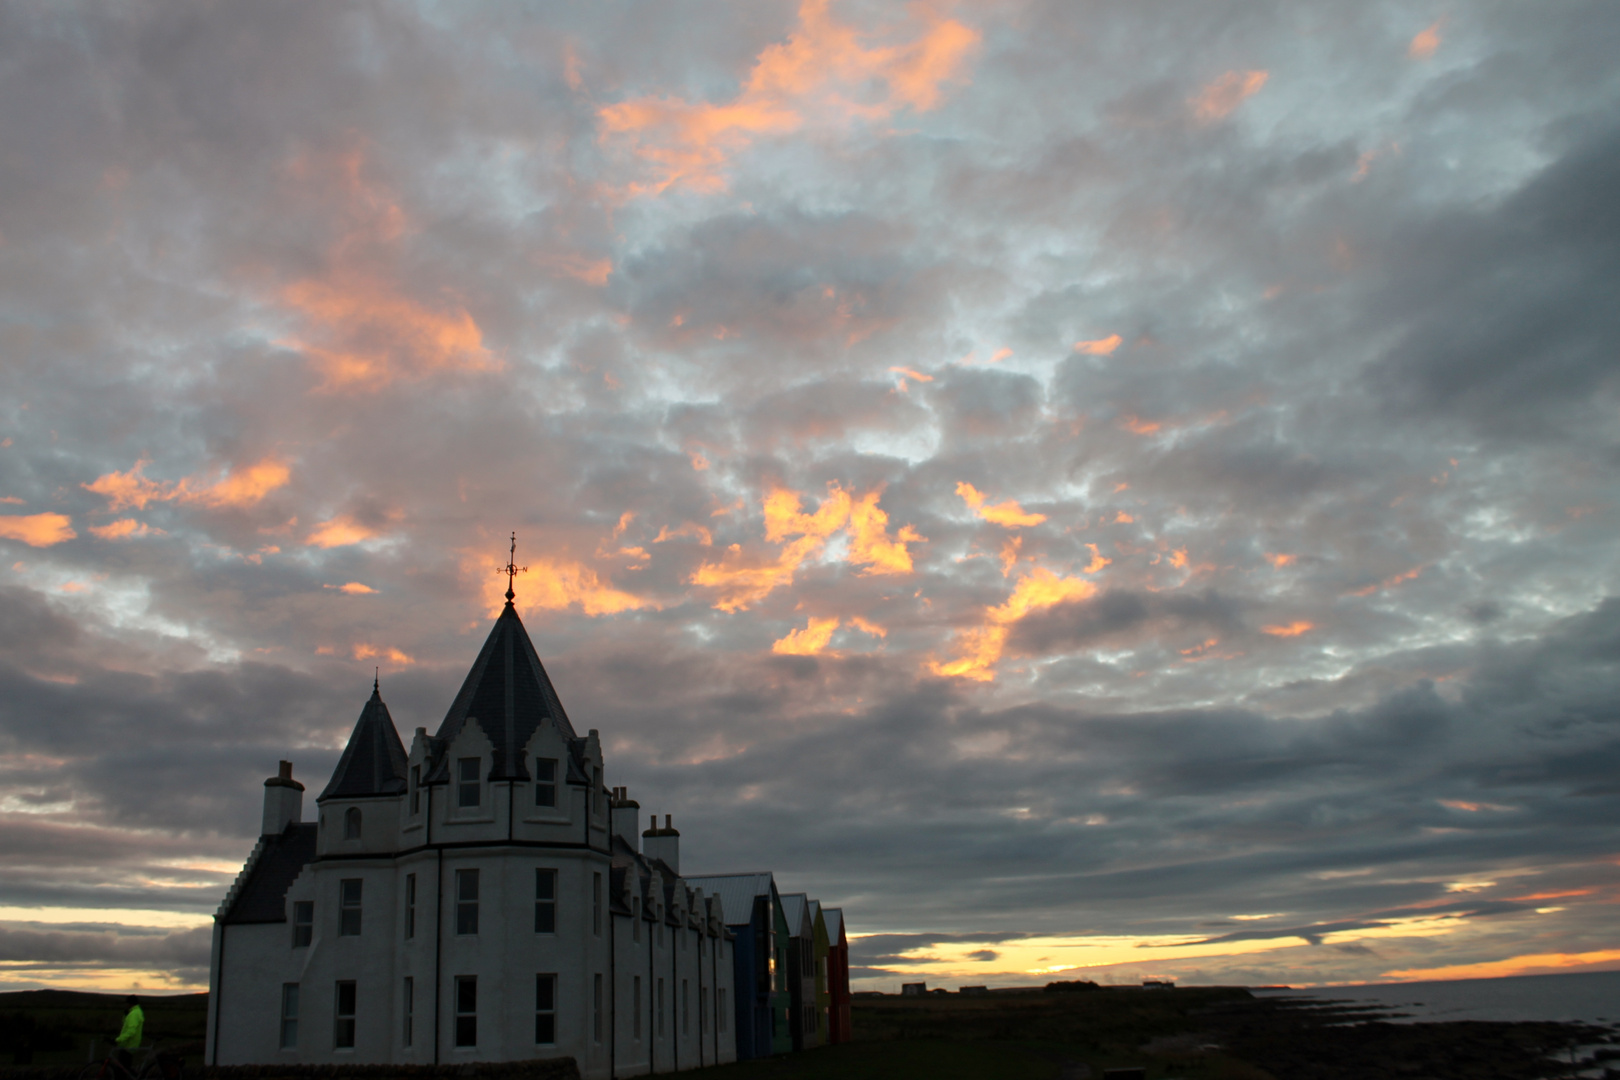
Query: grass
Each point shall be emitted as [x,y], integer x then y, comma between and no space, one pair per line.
[76,1017]
[1014,1036]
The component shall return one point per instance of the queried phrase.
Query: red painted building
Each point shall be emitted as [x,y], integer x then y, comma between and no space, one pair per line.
[838,1025]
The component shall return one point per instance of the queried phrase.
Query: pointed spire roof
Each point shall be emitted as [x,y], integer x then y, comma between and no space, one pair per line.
[508,695]
[374,762]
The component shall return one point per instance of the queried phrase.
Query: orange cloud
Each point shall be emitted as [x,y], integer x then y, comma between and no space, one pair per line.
[907,373]
[1000,354]
[122,529]
[1516,965]
[37,530]
[1389,582]
[1426,41]
[1009,554]
[1100,347]
[1178,558]
[868,627]
[1217,100]
[690,528]
[1007,514]
[823,73]
[369,334]
[869,542]
[392,655]
[341,531]
[1138,426]
[237,488]
[1293,629]
[982,645]
[807,642]
[1279,561]
[1097,561]
[1122,518]
[353,588]
[556,584]
[745,579]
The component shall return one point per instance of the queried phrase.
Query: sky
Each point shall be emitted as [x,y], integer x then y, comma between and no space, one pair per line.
[1095,490]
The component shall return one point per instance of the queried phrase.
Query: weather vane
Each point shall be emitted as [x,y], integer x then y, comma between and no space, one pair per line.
[511,569]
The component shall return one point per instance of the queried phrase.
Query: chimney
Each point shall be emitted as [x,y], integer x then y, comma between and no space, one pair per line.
[283,801]
[663,843]
[626,820]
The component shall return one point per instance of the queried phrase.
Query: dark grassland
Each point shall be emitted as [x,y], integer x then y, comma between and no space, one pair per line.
[54,1027]
[1196,1033]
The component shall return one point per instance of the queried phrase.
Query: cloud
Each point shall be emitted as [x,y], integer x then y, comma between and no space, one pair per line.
[122,529]
[1220,98]
[37,530]
[340,531]
[237,488]
[981,646]
[809,641]
[822,74]
[1426,41]
[1008,513]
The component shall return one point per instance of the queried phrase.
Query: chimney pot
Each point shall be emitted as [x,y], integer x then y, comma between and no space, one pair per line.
[669,821]
[286,770]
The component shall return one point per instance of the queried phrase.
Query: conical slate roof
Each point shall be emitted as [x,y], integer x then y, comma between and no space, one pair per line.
[508,695]
[374,762]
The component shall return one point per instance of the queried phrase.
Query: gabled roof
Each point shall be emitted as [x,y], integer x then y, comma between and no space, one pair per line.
[374,762]
[736,893]
[263,896]
[794,907]
[835,923]
[508,695]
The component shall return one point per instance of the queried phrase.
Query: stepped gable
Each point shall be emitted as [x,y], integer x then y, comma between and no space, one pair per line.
[508,695]
[374,762]
[262,898]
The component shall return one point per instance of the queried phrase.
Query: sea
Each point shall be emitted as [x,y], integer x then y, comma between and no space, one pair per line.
[1591,997]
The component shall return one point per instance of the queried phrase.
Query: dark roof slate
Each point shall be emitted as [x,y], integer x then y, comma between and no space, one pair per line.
[509,695]
[374,762]
[263,897]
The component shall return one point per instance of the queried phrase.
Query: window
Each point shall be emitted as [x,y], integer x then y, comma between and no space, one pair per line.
[410,908]
[596,903]
[467,902]
[545,1009]
[660,1008]
[303,922]
[466,1010]
[409,1010]
[416,790]
[720,1010]
[467,790]
[686,1007]
[351,823]
[545,781]
[635,1011]
[343,1027]
[635,919]
[289,1016]
[596,1008]
[545,901]
[349,907]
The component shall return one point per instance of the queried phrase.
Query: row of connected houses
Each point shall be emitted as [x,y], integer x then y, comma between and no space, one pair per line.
[483,896]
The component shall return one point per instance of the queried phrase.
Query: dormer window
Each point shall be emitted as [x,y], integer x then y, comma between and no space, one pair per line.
[351,823]
[545,781]
[468,790]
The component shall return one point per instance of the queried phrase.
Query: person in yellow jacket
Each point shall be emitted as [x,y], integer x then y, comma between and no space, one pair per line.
[129,1039]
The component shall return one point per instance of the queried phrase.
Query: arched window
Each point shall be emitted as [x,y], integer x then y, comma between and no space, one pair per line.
[351,823]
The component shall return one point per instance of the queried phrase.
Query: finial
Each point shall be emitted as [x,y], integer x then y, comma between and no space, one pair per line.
[511,570]
[376,680]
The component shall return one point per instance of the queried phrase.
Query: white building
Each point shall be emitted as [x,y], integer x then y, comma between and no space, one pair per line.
[482,897]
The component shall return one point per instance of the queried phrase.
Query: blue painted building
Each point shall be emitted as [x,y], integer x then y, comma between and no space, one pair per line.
[753,910]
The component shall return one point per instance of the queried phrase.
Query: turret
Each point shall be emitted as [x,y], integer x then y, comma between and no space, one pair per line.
[626,817]
[663,843]
[283,801]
